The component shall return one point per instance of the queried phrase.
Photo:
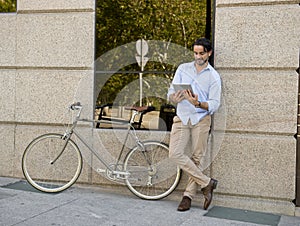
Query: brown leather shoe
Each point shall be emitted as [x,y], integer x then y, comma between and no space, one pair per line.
[185,204]
[208,192]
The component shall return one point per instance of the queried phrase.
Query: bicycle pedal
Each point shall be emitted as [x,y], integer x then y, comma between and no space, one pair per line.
[120,177]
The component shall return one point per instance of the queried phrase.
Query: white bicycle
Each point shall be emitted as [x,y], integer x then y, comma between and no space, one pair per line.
[53,162]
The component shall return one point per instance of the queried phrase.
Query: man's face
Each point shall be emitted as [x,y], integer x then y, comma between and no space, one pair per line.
[201,57]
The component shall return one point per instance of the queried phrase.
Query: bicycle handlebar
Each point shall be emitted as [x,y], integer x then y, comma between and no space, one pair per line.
[76,106]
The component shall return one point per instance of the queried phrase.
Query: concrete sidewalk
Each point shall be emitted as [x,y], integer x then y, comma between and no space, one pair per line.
[91,205]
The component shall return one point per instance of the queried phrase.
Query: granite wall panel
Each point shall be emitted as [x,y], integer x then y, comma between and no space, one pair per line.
[258,36]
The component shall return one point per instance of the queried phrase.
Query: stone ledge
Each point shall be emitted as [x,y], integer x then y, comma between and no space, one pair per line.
[25,5]
[245,3]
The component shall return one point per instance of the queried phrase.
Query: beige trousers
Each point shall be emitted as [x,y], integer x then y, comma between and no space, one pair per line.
[180,137]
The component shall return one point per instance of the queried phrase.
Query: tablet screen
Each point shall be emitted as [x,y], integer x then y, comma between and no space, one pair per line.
[182,87]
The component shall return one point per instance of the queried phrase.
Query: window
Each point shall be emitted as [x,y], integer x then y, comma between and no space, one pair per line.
[165,25]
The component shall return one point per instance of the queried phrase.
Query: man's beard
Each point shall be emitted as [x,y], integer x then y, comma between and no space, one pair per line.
[201,62]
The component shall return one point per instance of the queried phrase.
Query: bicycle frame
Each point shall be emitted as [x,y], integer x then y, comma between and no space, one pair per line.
[68,135]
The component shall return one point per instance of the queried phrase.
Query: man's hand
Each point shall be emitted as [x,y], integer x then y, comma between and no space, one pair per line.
[177,97]
[192,98]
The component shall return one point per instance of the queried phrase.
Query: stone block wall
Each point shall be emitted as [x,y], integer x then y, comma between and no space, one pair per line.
[46,62]
[257,51]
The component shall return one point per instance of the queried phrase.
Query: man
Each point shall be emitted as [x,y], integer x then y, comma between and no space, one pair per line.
[193,120]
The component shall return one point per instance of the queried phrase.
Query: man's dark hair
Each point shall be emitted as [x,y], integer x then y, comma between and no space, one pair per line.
[203,42]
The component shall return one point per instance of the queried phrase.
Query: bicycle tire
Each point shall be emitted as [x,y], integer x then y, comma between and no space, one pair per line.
[41,173]
[155,183]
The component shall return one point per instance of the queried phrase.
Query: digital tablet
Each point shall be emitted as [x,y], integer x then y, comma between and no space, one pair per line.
[183,87]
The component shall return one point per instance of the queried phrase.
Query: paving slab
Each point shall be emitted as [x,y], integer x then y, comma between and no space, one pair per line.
[86,205]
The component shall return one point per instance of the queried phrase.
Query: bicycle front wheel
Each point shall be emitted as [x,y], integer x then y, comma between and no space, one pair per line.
[152,175]
[51,163]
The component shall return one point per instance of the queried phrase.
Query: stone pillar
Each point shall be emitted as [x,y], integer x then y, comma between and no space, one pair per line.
[256,52]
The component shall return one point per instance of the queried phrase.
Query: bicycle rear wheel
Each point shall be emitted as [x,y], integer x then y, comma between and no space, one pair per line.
[152,174]
[48,167]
